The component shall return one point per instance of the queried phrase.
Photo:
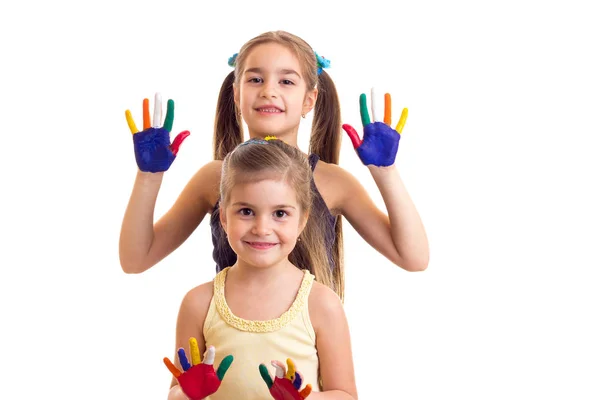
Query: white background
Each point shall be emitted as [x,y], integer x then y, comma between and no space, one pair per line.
[499,154]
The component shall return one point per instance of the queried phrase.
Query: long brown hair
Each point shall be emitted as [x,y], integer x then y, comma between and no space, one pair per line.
[258,160]
[326,130]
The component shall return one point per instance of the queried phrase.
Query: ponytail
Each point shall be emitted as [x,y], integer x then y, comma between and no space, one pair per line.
[228,131]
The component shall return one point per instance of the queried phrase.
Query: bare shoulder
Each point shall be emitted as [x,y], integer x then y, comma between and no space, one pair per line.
[335,184]
[204,185]
[324,306]
[197,300]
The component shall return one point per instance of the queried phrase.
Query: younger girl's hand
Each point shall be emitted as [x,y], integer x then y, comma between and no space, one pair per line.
[153,149]
[286,386]
[198,381]
[380,142]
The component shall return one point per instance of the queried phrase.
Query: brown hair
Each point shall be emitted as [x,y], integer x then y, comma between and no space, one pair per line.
[258,160]
[326,132]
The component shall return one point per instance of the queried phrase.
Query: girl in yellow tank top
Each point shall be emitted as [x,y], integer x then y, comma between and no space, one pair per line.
[264,310]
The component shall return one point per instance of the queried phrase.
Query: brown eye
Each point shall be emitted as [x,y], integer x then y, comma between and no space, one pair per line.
[280,213]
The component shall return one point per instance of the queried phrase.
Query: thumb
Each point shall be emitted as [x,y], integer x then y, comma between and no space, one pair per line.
[264,372]
[178,140]
[224,366]
[352,134]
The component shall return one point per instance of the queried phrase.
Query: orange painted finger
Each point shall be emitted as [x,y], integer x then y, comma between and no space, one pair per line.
[387,113]
[146,114]
[174,370]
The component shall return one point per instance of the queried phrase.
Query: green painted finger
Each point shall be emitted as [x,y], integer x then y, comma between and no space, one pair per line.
[170,115]
[264,372]
[364,110]
[224,366]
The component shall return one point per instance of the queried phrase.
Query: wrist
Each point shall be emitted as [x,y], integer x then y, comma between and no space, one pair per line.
[149,176]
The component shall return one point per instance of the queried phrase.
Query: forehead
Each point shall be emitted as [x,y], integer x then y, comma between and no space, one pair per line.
[265,192]
[272,56]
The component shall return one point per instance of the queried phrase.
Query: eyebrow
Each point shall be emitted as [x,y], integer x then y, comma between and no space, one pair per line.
[284,71]
[244,204]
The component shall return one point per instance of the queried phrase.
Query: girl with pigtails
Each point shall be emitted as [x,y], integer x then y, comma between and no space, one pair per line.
[277,80]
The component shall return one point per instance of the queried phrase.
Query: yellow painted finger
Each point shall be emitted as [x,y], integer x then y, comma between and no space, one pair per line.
[402,121]
[130,122]
[387,112]
[194,351]
[291,370]
[146,114]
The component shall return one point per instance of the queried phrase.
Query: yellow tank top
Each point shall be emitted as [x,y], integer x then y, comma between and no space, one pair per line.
[254,342]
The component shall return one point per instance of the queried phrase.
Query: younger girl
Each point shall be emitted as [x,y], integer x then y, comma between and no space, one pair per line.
[278,79]
[263,308]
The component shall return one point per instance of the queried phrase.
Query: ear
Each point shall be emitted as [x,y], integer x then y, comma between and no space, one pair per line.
[223,217]
[310,100]
[236,97]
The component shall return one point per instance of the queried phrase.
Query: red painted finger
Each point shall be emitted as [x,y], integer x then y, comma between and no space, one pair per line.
[353,135]
[178,140]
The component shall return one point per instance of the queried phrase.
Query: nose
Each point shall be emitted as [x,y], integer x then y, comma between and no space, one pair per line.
[262,226]
[269,89]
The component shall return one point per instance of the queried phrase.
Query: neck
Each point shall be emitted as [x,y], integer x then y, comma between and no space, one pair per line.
[250,274]
[291,138]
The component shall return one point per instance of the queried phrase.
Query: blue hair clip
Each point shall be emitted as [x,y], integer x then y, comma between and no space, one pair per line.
[231,60]
[322,63]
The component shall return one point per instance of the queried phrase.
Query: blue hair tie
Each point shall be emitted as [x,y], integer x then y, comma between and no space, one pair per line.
[231,60]
[322,63]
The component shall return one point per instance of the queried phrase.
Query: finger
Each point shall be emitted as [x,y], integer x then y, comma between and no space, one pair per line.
[291,369]
[306,391]
[130,122]
[297,381]
[195,352]
[178,140]
[224,366]
[146,107]
[375,105]
[170,115]
[174,370]
[353,135]
[402,121]
[264,372]
[387,113]
[209,356]
[156,121]
[183,359]
[279,368]
[364,111]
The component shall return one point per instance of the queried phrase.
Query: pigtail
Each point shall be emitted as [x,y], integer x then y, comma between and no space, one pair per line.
[325,141]
[326,133]
[228,131]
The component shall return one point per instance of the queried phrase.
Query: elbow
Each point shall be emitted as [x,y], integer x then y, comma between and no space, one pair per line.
[415,264]
[132,268]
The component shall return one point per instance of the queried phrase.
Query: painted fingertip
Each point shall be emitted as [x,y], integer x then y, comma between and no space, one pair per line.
[157,119]
[130,122]
[209,355]
[387,112]
[364,110]
[375,105]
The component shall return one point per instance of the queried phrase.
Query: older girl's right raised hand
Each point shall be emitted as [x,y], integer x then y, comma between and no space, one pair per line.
[153,149]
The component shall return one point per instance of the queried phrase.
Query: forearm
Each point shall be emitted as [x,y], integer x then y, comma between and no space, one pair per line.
[137,229]
[406,227]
